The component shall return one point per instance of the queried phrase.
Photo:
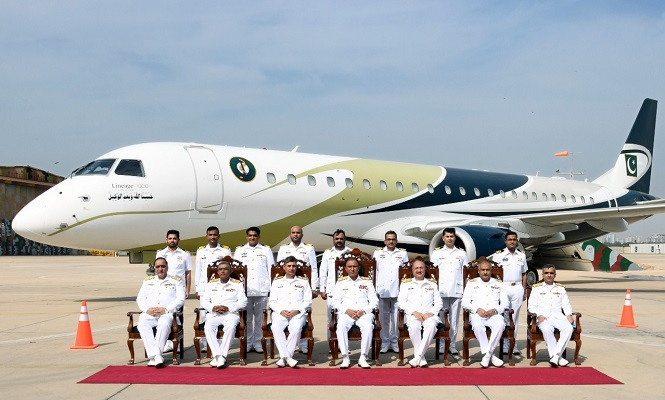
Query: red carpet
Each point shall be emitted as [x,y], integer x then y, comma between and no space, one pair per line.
[205,375]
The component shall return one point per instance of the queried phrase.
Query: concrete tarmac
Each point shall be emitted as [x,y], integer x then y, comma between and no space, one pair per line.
[41,301]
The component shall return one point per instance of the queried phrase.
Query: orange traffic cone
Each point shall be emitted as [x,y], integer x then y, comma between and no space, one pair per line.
[83,333]
[627,319]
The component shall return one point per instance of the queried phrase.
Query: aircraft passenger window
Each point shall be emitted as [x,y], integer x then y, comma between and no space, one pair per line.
[97,167]
[292,179]
[534,195]
[448,190]
[383,185]
[552,196]
[514,193]
[415,187]
[430,188]
[503,194]
[525,195]
[563,198]
[366,184]
[490,192]
[130,168]
[349,182]
[573,199]
[544,196]
[399,185]
[331,181]
[311,180]
[582,200]
[462,191]
[591,200]
[476,191]
[271,177]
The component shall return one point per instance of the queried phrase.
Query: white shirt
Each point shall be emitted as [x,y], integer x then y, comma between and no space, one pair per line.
[168,293]
[290,294]
[303,252]
[327,271]
[354,295]
[486,295]
[514,264]
[387,270]
[419,296]
[205,256]
[230,294]
[179,262]
[450,263]
[549,301]
[258,260]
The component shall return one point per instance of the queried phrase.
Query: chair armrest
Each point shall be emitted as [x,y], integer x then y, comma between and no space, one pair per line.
[310,324]
[241,314]
[333,319]
[508,313]
[377,322]
[130,325]
[264,325]
[465,319]
[400,319]
[578,327]
[532,322]
[446,319]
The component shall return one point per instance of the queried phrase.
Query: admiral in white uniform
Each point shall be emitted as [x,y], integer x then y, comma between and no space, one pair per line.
[354,298]
[160,296]
[420,300]
[515,268]
[450,260]
[223,297]
[388,260]
[180,262]
[290,297]
[258,259]
[208,254]
[550,302]
[486,300]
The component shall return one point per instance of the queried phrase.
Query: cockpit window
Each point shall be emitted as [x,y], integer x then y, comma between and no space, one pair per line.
[130,168]
[97,167]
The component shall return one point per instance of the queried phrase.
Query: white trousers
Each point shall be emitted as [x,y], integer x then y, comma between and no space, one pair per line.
[154,344]
[453,304]
[230,322]
[496,324]
[253,331]
[515,298]
[421,341]
[286,347]
[388,312]
[366,325]
[565,328]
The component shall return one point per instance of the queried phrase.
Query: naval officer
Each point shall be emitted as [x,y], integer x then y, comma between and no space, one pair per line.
[180,262]
[207,255]
[328,271]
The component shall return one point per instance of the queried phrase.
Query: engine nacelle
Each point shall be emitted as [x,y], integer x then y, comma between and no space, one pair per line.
[477,240]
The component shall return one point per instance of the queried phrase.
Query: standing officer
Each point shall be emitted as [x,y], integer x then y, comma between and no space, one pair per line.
[327,269]
[222,298]
[450,260]
[550,302]
[160,296]
[486,299]
[258,259]
[180,263]
[207,255]
[290,297]
[421,302]
[514,266]
[388,261]
[354,298]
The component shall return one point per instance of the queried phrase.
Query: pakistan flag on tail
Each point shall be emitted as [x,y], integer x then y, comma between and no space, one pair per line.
[605,259]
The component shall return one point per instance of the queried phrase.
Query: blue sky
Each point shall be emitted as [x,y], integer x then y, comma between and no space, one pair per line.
[495,85]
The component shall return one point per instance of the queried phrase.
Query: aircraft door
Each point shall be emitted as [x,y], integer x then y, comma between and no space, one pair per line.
[208,174]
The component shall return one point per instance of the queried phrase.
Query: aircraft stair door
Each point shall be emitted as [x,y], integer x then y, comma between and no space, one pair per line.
[209,186]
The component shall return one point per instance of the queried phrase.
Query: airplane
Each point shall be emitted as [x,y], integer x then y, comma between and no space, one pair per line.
[128,198]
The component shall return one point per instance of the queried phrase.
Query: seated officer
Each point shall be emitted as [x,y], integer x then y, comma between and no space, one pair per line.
[354,298]
[485,298]
[290,297]
[550,302]
[421,302]
[160,296]
[223,297]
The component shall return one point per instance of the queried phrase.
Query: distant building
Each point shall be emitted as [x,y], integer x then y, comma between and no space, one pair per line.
[645,248]
[18,186]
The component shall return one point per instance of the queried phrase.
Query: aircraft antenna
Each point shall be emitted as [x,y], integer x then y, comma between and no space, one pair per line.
[295,149]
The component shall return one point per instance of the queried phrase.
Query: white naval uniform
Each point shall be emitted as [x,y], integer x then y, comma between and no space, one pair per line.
[259,260]
[450,263]
[354,295]
[486,295]
[420,296]
[551,302]
[168,293]
[179,262]
[514,266]
[205,256]
[232,295]
[328,276]
[287,295]
[387,288]
[303,252]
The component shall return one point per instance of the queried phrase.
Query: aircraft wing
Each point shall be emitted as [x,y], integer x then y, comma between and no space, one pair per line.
[591,215]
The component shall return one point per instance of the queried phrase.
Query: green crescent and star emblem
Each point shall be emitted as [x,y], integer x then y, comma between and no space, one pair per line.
[631,165]
[242,168]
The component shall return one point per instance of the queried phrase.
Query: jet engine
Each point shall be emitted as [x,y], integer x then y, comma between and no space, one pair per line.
[477,240]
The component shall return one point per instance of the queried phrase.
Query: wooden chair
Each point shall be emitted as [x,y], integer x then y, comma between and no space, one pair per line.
[469,272]
[238,271]
[534,335]
[176,336]
[443,329]
[303,269]
[367,269]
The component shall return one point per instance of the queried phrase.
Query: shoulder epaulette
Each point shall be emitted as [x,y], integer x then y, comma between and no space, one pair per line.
[177,278]
[438,248]
[302,277]
[473,280]
[405,280]
[278,277]
[498,280]
[401,249]
[432,279]
[225,246]
[537,284]
[343,278]
[201,247]
[558,284]
[237,247]
[499,251]
[214,280]
[285,244]
[379,248]
[235,280]
[364,278]
[149,277]
[519,250]
[309,244]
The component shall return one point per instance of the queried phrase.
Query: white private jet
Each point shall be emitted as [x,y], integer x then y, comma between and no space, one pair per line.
[128,198]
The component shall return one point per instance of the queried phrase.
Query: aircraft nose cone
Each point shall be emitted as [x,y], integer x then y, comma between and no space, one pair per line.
[30,222]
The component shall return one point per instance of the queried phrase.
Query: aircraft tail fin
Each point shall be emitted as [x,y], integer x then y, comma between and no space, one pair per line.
[632,169]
